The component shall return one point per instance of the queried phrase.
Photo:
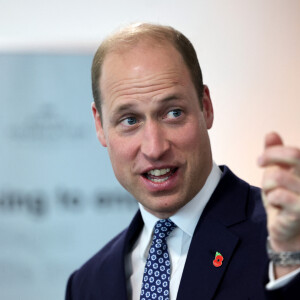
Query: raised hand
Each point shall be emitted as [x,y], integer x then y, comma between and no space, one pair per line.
[281,194]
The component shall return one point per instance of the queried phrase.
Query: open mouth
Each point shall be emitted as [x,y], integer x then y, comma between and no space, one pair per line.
[160,175]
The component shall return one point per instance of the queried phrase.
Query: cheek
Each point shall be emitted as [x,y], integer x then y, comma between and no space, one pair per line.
[191,137]
[121,152]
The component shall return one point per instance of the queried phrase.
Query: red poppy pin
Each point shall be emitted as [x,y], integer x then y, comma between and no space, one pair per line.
[218,260]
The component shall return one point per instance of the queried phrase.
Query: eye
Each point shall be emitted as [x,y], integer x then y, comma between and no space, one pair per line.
[129,121]
[175,113]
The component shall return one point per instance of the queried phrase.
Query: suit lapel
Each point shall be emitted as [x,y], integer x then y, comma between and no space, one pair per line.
[114,278]
[200,278]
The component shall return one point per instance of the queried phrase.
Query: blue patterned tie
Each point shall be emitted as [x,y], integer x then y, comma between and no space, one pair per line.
[158,267]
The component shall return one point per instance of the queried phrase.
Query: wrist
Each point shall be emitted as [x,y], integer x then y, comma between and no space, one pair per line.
[284,245]
[283,258]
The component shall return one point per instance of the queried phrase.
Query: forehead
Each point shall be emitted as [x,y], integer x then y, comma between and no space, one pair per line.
[145,62]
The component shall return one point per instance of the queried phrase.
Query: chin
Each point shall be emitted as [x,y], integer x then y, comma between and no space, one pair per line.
[163,210]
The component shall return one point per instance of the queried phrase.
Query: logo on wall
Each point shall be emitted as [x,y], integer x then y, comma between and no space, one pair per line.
[47,124]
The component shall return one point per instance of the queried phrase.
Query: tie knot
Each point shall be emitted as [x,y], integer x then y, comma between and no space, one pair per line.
[162,230]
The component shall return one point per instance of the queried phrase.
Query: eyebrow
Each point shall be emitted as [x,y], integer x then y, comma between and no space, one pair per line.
[122,108]
[128,106]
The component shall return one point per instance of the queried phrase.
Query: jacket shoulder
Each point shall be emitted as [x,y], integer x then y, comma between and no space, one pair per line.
[105,271]
[88,274]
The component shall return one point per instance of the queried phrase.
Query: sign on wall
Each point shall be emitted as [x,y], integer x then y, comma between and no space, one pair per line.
[57,188]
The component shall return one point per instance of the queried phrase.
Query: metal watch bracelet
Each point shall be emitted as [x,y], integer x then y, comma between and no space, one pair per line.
[284,259]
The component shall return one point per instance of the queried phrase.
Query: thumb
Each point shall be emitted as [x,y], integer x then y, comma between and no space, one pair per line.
[273,139]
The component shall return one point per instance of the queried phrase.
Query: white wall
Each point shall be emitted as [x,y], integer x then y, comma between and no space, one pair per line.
[249,52]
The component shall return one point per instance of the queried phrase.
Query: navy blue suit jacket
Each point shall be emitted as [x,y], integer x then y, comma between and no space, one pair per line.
[233,223]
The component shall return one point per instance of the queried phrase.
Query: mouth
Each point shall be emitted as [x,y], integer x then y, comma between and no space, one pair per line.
[159,175]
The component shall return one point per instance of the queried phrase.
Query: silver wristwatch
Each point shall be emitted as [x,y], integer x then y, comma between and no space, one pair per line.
[287,258]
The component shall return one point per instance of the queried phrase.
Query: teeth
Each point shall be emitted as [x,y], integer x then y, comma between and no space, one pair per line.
[159,180]
[159,172]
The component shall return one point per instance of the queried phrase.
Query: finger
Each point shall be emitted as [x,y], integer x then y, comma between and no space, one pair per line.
[285,227]
[273,139]
[281,226]
[282,156]
[289,202]
[282,223]
[275,177]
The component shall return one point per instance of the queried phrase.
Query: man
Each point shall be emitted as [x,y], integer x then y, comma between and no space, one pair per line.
[152,112]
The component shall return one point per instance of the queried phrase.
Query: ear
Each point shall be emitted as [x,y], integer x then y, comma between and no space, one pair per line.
[99,127]
[208,110]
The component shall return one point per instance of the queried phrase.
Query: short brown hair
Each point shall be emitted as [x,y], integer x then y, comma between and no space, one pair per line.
[130,36]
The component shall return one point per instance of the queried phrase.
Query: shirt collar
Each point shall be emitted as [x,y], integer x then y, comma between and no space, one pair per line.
[188,216]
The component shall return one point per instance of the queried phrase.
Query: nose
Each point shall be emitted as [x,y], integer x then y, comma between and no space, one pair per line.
[155,143]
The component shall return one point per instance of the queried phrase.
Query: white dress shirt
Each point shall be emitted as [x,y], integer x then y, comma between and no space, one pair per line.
[178,241]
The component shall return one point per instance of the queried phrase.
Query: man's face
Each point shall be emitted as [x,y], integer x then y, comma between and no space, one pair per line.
[153,127]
